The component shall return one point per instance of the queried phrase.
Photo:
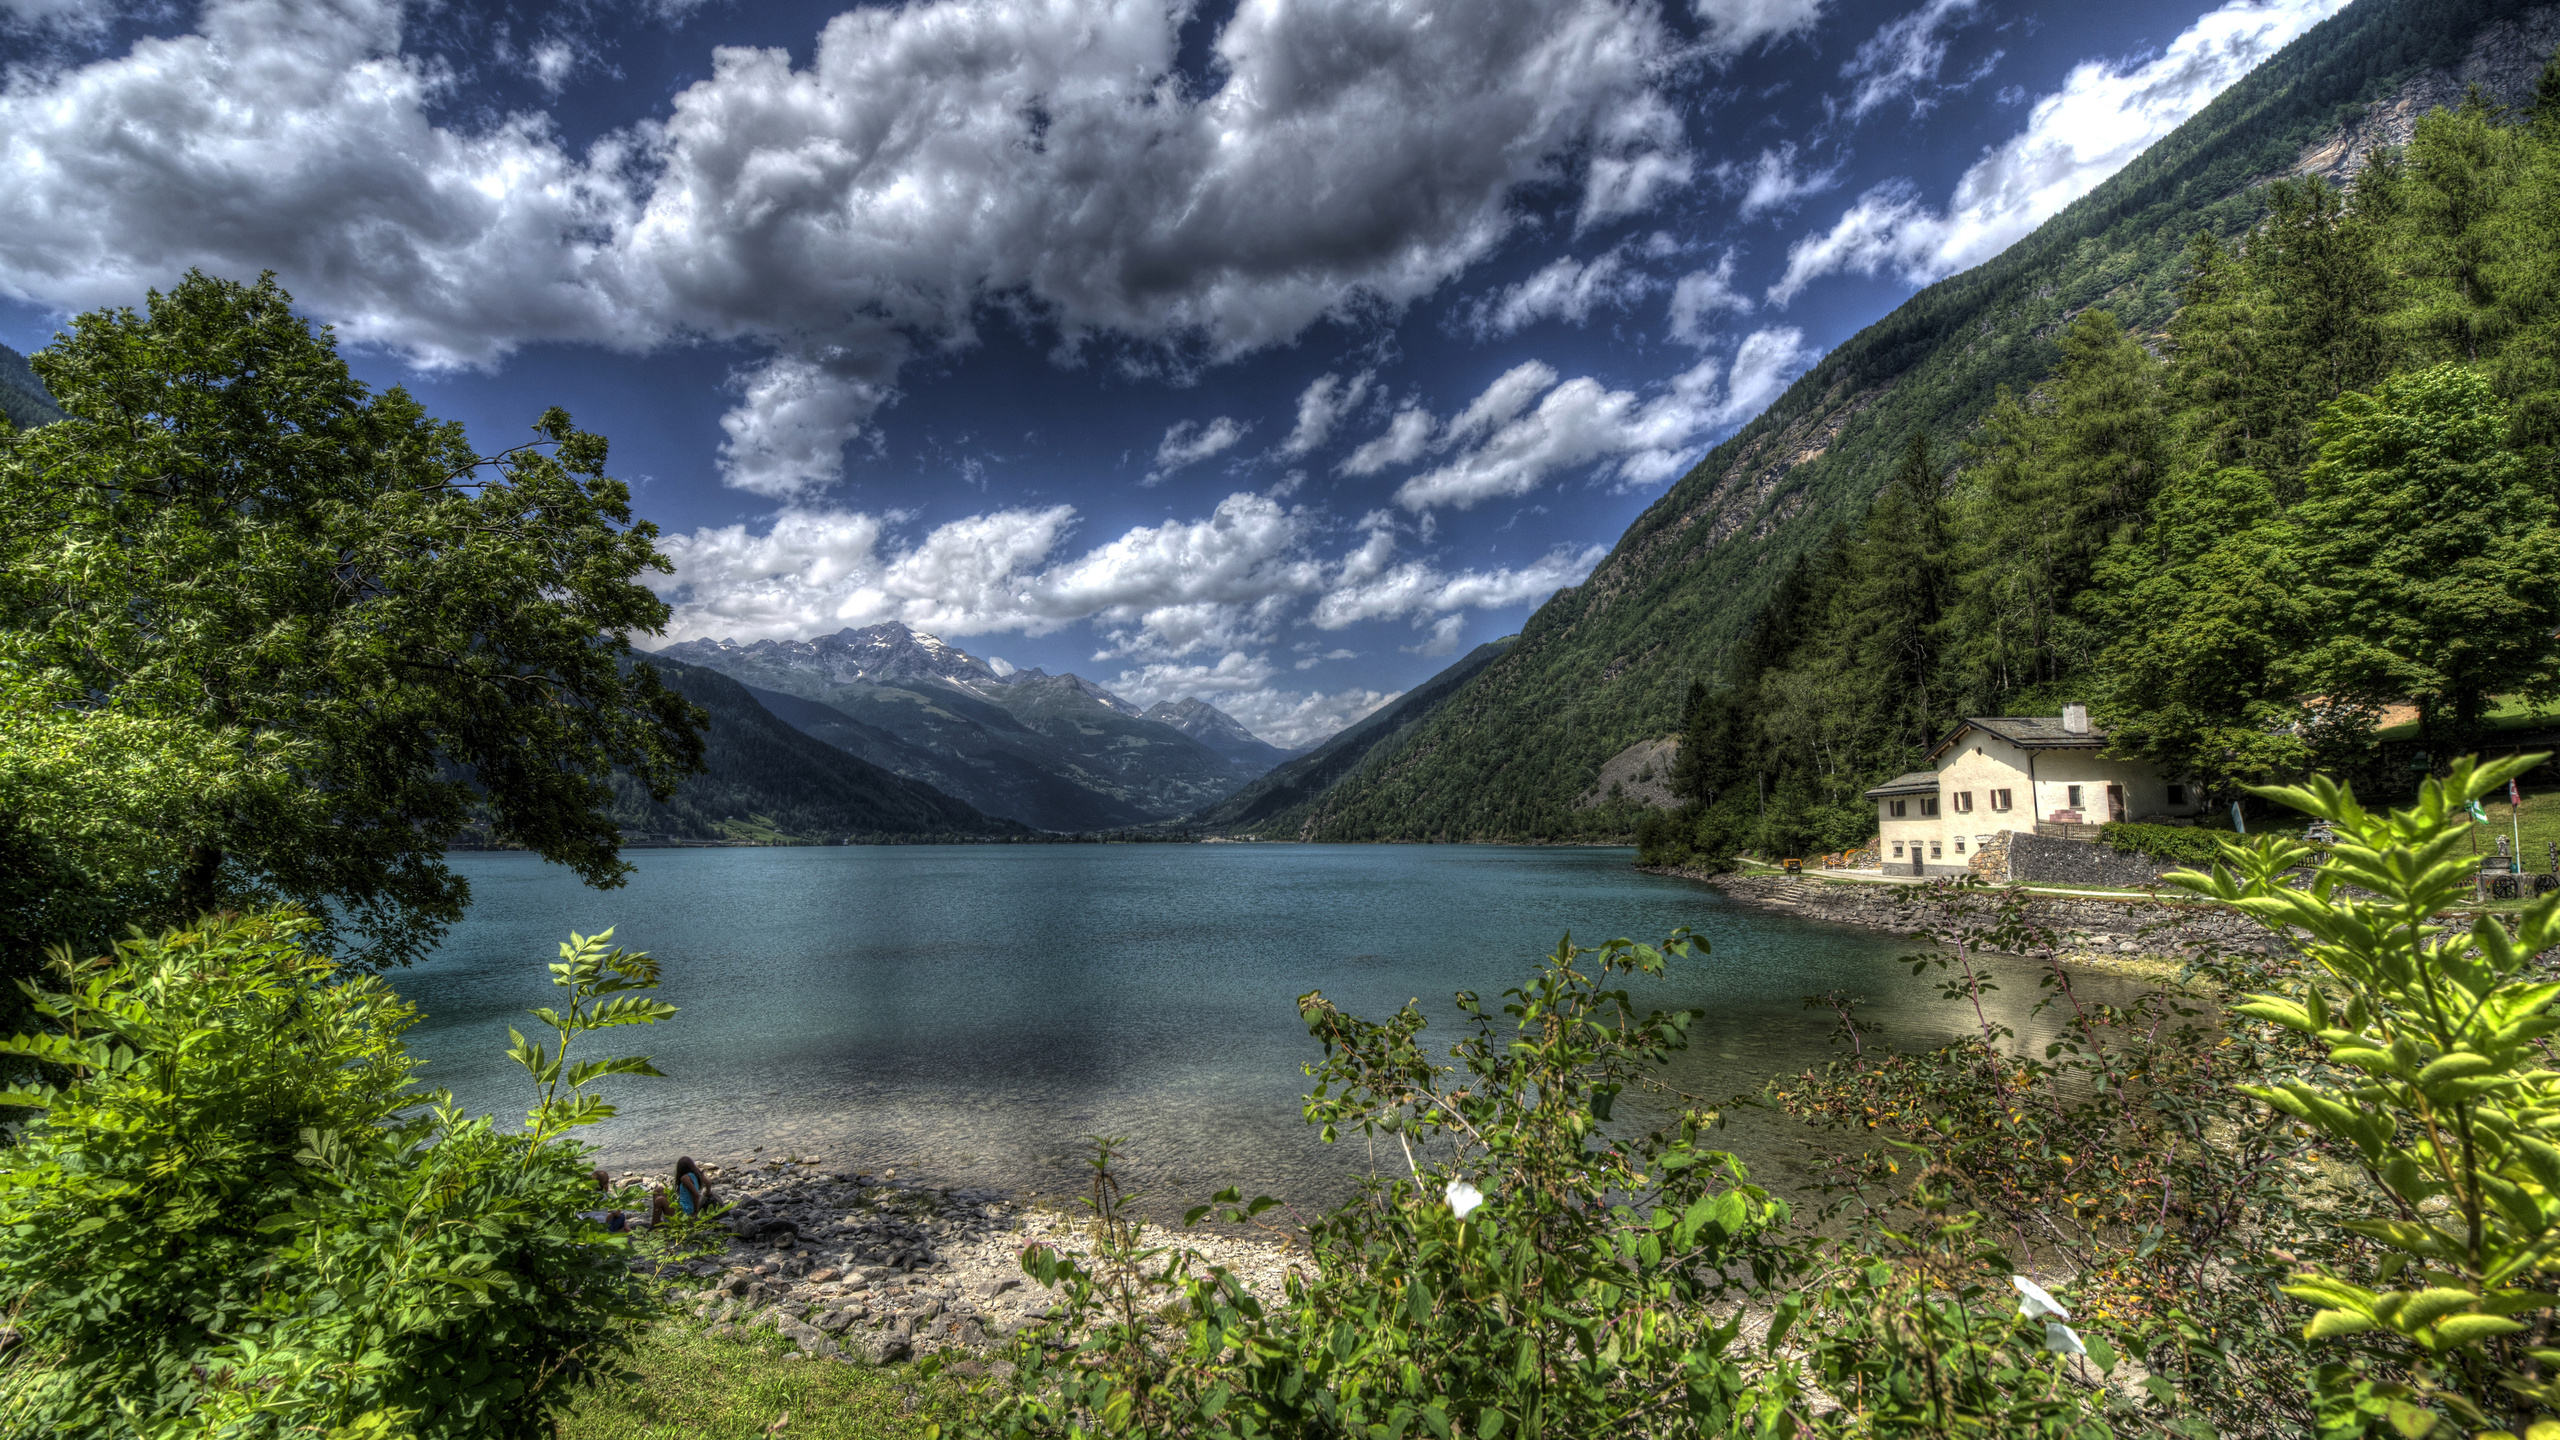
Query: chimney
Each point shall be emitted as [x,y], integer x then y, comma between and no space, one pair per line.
[2075,719]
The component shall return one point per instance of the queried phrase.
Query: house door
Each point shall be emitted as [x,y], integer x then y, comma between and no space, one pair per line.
[2115,803]
[1915,861]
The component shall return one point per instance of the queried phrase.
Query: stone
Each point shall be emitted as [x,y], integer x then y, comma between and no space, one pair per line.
[882,1348]
[993,1288]
[834,1322]
[823,1276]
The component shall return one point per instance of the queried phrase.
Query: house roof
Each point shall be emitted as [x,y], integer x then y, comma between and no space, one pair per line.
[2027,732]
[1918,782]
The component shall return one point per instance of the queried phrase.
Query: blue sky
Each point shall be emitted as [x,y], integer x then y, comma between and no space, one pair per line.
[1270,353]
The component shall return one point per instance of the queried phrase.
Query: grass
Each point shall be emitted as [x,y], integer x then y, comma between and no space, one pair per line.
[2507,712]
[688,1384]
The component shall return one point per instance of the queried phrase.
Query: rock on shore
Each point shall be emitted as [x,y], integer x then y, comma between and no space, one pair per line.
[2098,929]
[843,1264]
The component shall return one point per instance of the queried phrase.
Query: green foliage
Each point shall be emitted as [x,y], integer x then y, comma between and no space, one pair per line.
[232,1215]
[1534,1273]
[230,533]
[2439,1087]
[2429,545]
[2163,842]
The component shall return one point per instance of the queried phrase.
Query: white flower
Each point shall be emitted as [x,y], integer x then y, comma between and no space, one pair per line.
[2034,1301]
[2061,1339]
[1464,1198]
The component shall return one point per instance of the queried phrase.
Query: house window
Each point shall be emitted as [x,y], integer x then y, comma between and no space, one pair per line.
[1894,808]
[2074,802]
[1959,844]
[2177,794]
[1934,850]
[1897,849]
[1964,802]
[1999,799]
[1928,805]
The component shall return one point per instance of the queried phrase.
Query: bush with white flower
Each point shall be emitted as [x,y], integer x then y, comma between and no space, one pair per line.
[1532,1270]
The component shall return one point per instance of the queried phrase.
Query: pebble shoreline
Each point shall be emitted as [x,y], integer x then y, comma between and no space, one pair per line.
[845,1265]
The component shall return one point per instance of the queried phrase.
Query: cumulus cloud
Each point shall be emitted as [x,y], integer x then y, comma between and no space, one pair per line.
[1566,290]
[1773,181]
[1158,593]
[1374,586]
[1903,56]
[1734,26]
[1699,297]
[1638,155]
[2105,114]
[1321,406]
[787,438]
[1507,447]
[1401,443]
[929,159]
[1189,443]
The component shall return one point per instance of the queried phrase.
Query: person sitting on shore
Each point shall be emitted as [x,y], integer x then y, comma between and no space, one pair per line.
[693,1189]
[659,1206]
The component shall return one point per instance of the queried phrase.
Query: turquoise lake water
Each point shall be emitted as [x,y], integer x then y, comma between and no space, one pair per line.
[969,1014]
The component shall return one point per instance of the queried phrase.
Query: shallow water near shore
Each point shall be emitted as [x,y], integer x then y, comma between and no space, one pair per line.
[971,1014]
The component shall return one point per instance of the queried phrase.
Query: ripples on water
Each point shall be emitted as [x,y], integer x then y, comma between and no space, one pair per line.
[970,1014]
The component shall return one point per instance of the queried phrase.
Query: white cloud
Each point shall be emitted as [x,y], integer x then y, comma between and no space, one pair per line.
[1187,443]
[1699,297]
[1767,362]
[1502,401]
[929,159]
[1773,181]
[2104,115]
[1736,25]
[1575,424]
[1403,441]
[1321,406]
[1564,290]
[787,438]
[1422,591]
[1638,155]
[1902,56]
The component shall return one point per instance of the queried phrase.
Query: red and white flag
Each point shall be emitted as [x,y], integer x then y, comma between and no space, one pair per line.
[2515,797]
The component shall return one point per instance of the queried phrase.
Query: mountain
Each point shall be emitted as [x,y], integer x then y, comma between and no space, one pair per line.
[1053,751]
[766,780]
[1607,664]
[23,398]
[1219,731]
[1292,802]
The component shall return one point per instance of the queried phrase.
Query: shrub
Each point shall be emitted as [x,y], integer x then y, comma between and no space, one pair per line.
[234,1215]
[1531,1271]
[2195,845]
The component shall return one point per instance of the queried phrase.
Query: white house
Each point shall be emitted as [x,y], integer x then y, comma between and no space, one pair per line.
[2008,772]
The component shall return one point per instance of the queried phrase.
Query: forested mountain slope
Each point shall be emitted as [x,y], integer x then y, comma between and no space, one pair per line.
[1609,662]
[1290,803]
[23,398]
[764,779]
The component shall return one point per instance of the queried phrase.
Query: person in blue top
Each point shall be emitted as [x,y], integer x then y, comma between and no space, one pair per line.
[693,1189]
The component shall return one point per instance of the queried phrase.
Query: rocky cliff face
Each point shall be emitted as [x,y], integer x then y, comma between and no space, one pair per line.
[2505,61]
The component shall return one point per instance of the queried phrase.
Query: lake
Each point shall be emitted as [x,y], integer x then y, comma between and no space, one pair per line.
[968,1014]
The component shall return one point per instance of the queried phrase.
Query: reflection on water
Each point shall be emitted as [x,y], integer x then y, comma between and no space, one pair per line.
[972,1013]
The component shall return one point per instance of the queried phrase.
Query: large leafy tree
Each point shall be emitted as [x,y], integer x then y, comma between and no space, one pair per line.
[2428,554]
[2203,671]
[232,535]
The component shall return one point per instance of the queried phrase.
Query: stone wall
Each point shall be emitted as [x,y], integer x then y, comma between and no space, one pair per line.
[2047,860]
